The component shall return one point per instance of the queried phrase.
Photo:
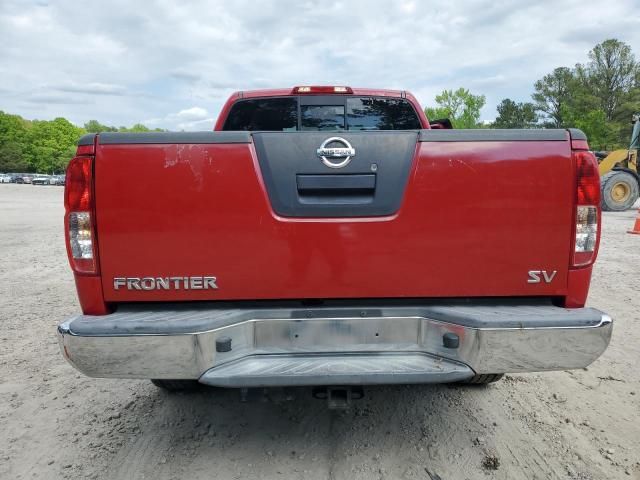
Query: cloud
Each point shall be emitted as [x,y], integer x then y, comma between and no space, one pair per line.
[203,124]
[176,63]
[194,118]
[492,80]
[53,98]
[193,113]
[94,88]
[185,76]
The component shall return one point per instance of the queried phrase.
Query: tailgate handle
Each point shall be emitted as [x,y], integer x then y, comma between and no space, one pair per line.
[344,184]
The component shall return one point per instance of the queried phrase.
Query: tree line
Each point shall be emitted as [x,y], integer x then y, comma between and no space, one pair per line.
[45,146]
[598,97]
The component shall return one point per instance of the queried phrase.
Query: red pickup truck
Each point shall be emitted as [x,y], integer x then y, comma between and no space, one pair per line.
[331,236]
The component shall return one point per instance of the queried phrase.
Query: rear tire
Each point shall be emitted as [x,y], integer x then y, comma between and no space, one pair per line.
[176,385]
[619,191]
[484,379]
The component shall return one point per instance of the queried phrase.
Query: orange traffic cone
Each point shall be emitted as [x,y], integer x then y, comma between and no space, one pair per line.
[636,226]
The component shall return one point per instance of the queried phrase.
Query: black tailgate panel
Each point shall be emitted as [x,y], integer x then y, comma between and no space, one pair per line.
[371,184]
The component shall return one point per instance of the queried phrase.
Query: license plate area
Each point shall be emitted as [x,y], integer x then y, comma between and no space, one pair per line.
[353,334]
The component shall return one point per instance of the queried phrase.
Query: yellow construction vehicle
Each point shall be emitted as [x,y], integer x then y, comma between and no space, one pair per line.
[620,174]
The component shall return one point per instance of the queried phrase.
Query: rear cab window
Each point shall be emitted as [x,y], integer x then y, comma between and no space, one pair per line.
[322,113]
[279,114]
[322,117]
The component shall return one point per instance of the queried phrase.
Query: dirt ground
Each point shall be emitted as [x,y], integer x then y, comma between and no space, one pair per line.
[56,423]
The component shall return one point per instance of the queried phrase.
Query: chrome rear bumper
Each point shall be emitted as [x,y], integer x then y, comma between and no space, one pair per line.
[275,347]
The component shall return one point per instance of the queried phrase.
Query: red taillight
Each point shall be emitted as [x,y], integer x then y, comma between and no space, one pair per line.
[587,215]
[77,194]
[78,202]
[321,89]
[588,179]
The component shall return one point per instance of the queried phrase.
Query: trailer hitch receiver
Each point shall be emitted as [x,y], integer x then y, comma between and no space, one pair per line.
[340,397]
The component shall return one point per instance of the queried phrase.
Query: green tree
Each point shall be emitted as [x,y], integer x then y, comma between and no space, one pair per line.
[602,135]
[552,95]
[11,158]
[461,107]
[13,133]
[138,128]
[516,115]
[611,73]
[50,144]
[630,104]
[45,146]
[94,126]
[598,97]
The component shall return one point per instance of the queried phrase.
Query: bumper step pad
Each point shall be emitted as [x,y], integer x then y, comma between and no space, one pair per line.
[357,369]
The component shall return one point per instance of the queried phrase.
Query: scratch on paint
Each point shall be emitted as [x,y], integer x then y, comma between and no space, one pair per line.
[178,155]
[463,163]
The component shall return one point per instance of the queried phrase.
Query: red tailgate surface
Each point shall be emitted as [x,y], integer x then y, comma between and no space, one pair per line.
[474,219]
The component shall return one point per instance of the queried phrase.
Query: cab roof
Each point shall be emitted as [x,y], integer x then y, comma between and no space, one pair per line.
[284,92]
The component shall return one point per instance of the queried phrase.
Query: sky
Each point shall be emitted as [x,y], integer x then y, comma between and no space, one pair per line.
[172,64]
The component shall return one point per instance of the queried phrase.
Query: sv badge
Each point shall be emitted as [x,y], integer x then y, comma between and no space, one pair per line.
[539,276]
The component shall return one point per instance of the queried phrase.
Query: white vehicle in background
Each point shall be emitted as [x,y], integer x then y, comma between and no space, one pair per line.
[5,178]
[41,180]
[57,180]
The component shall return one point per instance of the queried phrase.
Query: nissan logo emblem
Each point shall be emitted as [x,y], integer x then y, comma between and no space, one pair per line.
[330,154]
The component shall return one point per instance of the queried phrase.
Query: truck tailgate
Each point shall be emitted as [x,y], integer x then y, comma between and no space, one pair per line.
[414,214]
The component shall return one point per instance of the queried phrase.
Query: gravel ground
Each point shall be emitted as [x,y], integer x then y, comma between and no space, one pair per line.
[56,423]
